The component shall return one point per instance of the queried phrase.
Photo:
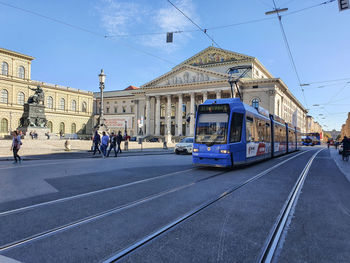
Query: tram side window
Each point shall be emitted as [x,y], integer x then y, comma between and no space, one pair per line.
[267,132]
[249,129]
[260,127]
[236,127]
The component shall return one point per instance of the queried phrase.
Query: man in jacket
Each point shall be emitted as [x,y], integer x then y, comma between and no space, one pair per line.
[104,144]
[96,141]
[112,144]
[119,140]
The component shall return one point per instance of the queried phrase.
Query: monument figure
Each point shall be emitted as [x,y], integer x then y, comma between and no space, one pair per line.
[34,113]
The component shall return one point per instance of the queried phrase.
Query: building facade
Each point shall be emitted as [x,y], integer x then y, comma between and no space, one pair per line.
[68,110]
[166,106]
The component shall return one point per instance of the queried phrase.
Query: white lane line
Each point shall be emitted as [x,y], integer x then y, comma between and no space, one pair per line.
[163,229]
[275,238]
[126,206]
[92,193]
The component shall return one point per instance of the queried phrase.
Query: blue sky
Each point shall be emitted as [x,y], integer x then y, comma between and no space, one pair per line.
[319,39]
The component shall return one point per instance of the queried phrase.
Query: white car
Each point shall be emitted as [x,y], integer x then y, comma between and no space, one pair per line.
[184,146]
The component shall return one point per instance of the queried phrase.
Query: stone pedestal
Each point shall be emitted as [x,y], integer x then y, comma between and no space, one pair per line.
[34,120]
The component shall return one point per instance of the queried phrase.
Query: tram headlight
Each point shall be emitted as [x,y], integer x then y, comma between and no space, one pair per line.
[195,150]
[225,151]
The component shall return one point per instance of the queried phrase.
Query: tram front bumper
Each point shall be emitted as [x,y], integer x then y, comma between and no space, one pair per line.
[209,159]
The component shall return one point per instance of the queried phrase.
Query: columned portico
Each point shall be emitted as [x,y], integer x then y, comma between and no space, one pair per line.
[168,118]
[157,121]
[205,96]
[148,116]
[179,116]
[192,114]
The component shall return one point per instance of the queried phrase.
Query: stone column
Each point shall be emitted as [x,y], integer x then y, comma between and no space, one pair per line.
[168,119]
[192,115]
[157,120]
[179,116]
[205,96]
[148,116]
[136,110]
[218,94]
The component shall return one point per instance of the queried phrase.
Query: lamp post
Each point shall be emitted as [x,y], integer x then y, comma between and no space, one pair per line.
[102,78]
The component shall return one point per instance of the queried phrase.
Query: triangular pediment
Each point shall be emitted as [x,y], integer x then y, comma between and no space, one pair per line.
[213,55]
[185,75]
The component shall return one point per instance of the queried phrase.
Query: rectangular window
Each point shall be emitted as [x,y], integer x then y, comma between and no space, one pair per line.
[236,127]
[249,129]
[212,128]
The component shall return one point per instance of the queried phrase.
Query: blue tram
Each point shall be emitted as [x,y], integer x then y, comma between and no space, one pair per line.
[229,132]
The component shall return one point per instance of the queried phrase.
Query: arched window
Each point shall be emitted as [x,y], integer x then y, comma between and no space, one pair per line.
[20,98]
[49,102]
[21,72]
[84,107]
[4,68]
[62,127]
[255,103]
[4,125]
[49,125]
[74,128]
[74,105]
[4,96]
[62,104]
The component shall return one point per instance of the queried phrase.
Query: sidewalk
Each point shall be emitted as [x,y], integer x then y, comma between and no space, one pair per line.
[343,166]
[51,149]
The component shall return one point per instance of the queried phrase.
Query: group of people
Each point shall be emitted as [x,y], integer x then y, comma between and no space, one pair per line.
[106,144]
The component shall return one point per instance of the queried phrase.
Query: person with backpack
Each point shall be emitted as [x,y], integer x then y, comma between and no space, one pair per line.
[104,144]
[119,140]
[112,144]
[16,145]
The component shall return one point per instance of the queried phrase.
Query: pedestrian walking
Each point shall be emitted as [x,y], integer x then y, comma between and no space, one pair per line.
[97,141]
[104,144]
[16,145]
[112,145]
[119,141]
[126,142]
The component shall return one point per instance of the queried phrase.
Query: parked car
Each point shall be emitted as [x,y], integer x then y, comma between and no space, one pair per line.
[153,140]
[184,146]
[132,139]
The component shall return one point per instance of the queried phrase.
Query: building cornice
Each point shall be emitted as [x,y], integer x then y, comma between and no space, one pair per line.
[15,54]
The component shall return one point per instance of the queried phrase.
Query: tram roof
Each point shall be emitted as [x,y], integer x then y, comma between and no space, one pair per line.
[238,104]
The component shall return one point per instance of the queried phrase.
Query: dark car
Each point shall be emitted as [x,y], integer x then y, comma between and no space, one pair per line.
[153,140]
[132,139]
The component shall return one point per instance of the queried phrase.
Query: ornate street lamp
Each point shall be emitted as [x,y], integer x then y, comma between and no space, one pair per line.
[102,78]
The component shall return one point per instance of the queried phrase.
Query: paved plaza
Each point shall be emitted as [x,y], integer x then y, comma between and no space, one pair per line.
[139,209]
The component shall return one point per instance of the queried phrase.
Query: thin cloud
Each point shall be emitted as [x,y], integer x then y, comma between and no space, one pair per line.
[130,18]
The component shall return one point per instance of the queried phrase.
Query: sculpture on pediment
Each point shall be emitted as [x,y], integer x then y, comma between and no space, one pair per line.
[186,77]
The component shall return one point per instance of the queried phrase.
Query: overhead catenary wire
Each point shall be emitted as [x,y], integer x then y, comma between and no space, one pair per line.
[289,51]
[84,30]
[201,29]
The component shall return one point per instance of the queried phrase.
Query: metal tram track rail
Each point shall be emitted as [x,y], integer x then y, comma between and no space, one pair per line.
[273,241]
[21,209]
[193,212]
[101,214]
[97,216]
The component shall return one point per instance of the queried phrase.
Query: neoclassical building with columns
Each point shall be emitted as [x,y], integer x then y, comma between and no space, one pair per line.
[166,106]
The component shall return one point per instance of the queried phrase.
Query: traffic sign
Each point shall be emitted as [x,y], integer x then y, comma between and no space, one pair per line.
[343,5]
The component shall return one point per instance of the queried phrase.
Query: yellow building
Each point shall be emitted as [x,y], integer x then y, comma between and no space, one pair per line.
[68,110]
[345,130]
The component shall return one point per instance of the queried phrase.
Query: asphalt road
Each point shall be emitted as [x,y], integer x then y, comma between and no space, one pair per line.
[139,208]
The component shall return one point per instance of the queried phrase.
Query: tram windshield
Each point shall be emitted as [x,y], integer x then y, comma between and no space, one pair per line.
[212,128]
